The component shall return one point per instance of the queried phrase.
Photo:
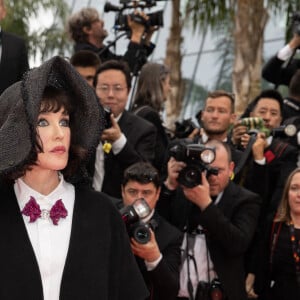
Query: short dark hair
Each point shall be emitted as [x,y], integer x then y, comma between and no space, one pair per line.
[143,173]
[222,93]
[85,58]
[272,94]
[118,65]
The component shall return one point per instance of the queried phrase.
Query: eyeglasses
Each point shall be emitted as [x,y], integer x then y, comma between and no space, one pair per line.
[105,89]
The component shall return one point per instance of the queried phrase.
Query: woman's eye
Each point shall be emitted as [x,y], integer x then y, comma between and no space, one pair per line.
[65,122]
[42,123]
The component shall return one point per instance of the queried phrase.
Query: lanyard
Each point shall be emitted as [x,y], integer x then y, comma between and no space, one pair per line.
[296,250]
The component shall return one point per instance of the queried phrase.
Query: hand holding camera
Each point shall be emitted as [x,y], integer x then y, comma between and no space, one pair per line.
[149,251]
[200,194]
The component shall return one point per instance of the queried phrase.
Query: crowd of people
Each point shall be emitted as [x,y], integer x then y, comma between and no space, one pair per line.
[99,201]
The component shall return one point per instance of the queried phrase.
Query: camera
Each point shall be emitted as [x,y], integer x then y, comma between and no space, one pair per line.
[296,23]
[132,215]
[121,23]
[255,125]
[209,291]
[197,157]
[107,121]
[184,129]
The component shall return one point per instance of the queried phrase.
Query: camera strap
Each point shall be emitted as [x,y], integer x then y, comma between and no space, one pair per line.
[243,159]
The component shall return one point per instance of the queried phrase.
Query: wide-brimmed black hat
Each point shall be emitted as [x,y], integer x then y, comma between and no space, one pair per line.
[20,107]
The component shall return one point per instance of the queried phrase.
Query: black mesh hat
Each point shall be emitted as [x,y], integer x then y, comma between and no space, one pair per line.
[20,106]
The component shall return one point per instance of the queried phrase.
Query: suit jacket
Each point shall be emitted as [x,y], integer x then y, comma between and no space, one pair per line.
[268,180]
[230,226]
[162,140]
[140,146]
[14,60]
[99,263]
[163,281]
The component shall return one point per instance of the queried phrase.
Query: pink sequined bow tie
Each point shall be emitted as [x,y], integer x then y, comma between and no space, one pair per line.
[33,211]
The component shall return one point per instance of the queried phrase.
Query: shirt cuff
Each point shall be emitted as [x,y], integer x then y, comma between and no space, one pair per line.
[151,265]
[261,161]
[119,144]
[285,53]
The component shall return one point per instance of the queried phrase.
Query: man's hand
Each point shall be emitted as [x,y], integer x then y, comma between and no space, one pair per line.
[174,167]
[249,286]
[199,194]
[113,133]
[295,41]
[149,252]
[237,132]
[258,148]
[137,28]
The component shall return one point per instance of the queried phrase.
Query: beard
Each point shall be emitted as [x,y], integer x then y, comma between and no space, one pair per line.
[209,131]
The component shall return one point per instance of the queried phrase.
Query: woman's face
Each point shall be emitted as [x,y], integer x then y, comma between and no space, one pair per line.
[166,87]
[55,135]
[294,194]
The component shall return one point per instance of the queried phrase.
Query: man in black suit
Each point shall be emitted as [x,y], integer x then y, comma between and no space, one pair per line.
[128,139]
[13,55]
[219,220]
[159,258]
[280,68]
[272,160]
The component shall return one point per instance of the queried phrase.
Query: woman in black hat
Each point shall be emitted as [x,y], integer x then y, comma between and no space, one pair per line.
[59,239]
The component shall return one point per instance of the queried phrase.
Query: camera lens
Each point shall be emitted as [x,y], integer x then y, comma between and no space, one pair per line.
[190,176]
[141,234]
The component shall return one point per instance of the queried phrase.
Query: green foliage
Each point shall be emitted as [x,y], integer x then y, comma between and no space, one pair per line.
[42,40]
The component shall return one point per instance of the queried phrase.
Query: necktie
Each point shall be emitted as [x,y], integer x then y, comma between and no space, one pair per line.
[33,211]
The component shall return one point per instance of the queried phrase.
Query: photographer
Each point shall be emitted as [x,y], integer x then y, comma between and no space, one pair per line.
[159,258]
[272,159]
[275,69]
[219,220]
[87,30]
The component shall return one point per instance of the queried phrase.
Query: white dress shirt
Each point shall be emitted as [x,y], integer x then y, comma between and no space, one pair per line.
[201,268]
[50,242]
[117,147]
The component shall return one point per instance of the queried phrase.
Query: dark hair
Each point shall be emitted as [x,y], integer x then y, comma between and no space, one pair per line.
[53,100]
[272,94]
[294,86]
[117,65]
[222,93]
[143,173]
[149,89]
[85,58]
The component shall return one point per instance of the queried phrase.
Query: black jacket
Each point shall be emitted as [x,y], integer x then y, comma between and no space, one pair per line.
[14,60]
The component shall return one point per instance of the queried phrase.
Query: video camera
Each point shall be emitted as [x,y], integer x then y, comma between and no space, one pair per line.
[132,215]
[121,23]
[197,157]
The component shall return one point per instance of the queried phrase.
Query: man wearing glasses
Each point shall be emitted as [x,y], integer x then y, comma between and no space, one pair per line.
[128,140]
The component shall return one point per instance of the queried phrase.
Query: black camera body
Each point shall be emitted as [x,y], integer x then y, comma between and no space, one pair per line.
[209,291]
[121,22]
[197,157]
[107,121]
[132,215]
[296,22]
[184,128]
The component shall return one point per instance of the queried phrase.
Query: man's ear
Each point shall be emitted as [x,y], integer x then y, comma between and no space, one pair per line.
[86,29]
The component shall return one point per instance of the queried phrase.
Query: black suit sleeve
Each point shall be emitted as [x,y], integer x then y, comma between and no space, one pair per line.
[275,72]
